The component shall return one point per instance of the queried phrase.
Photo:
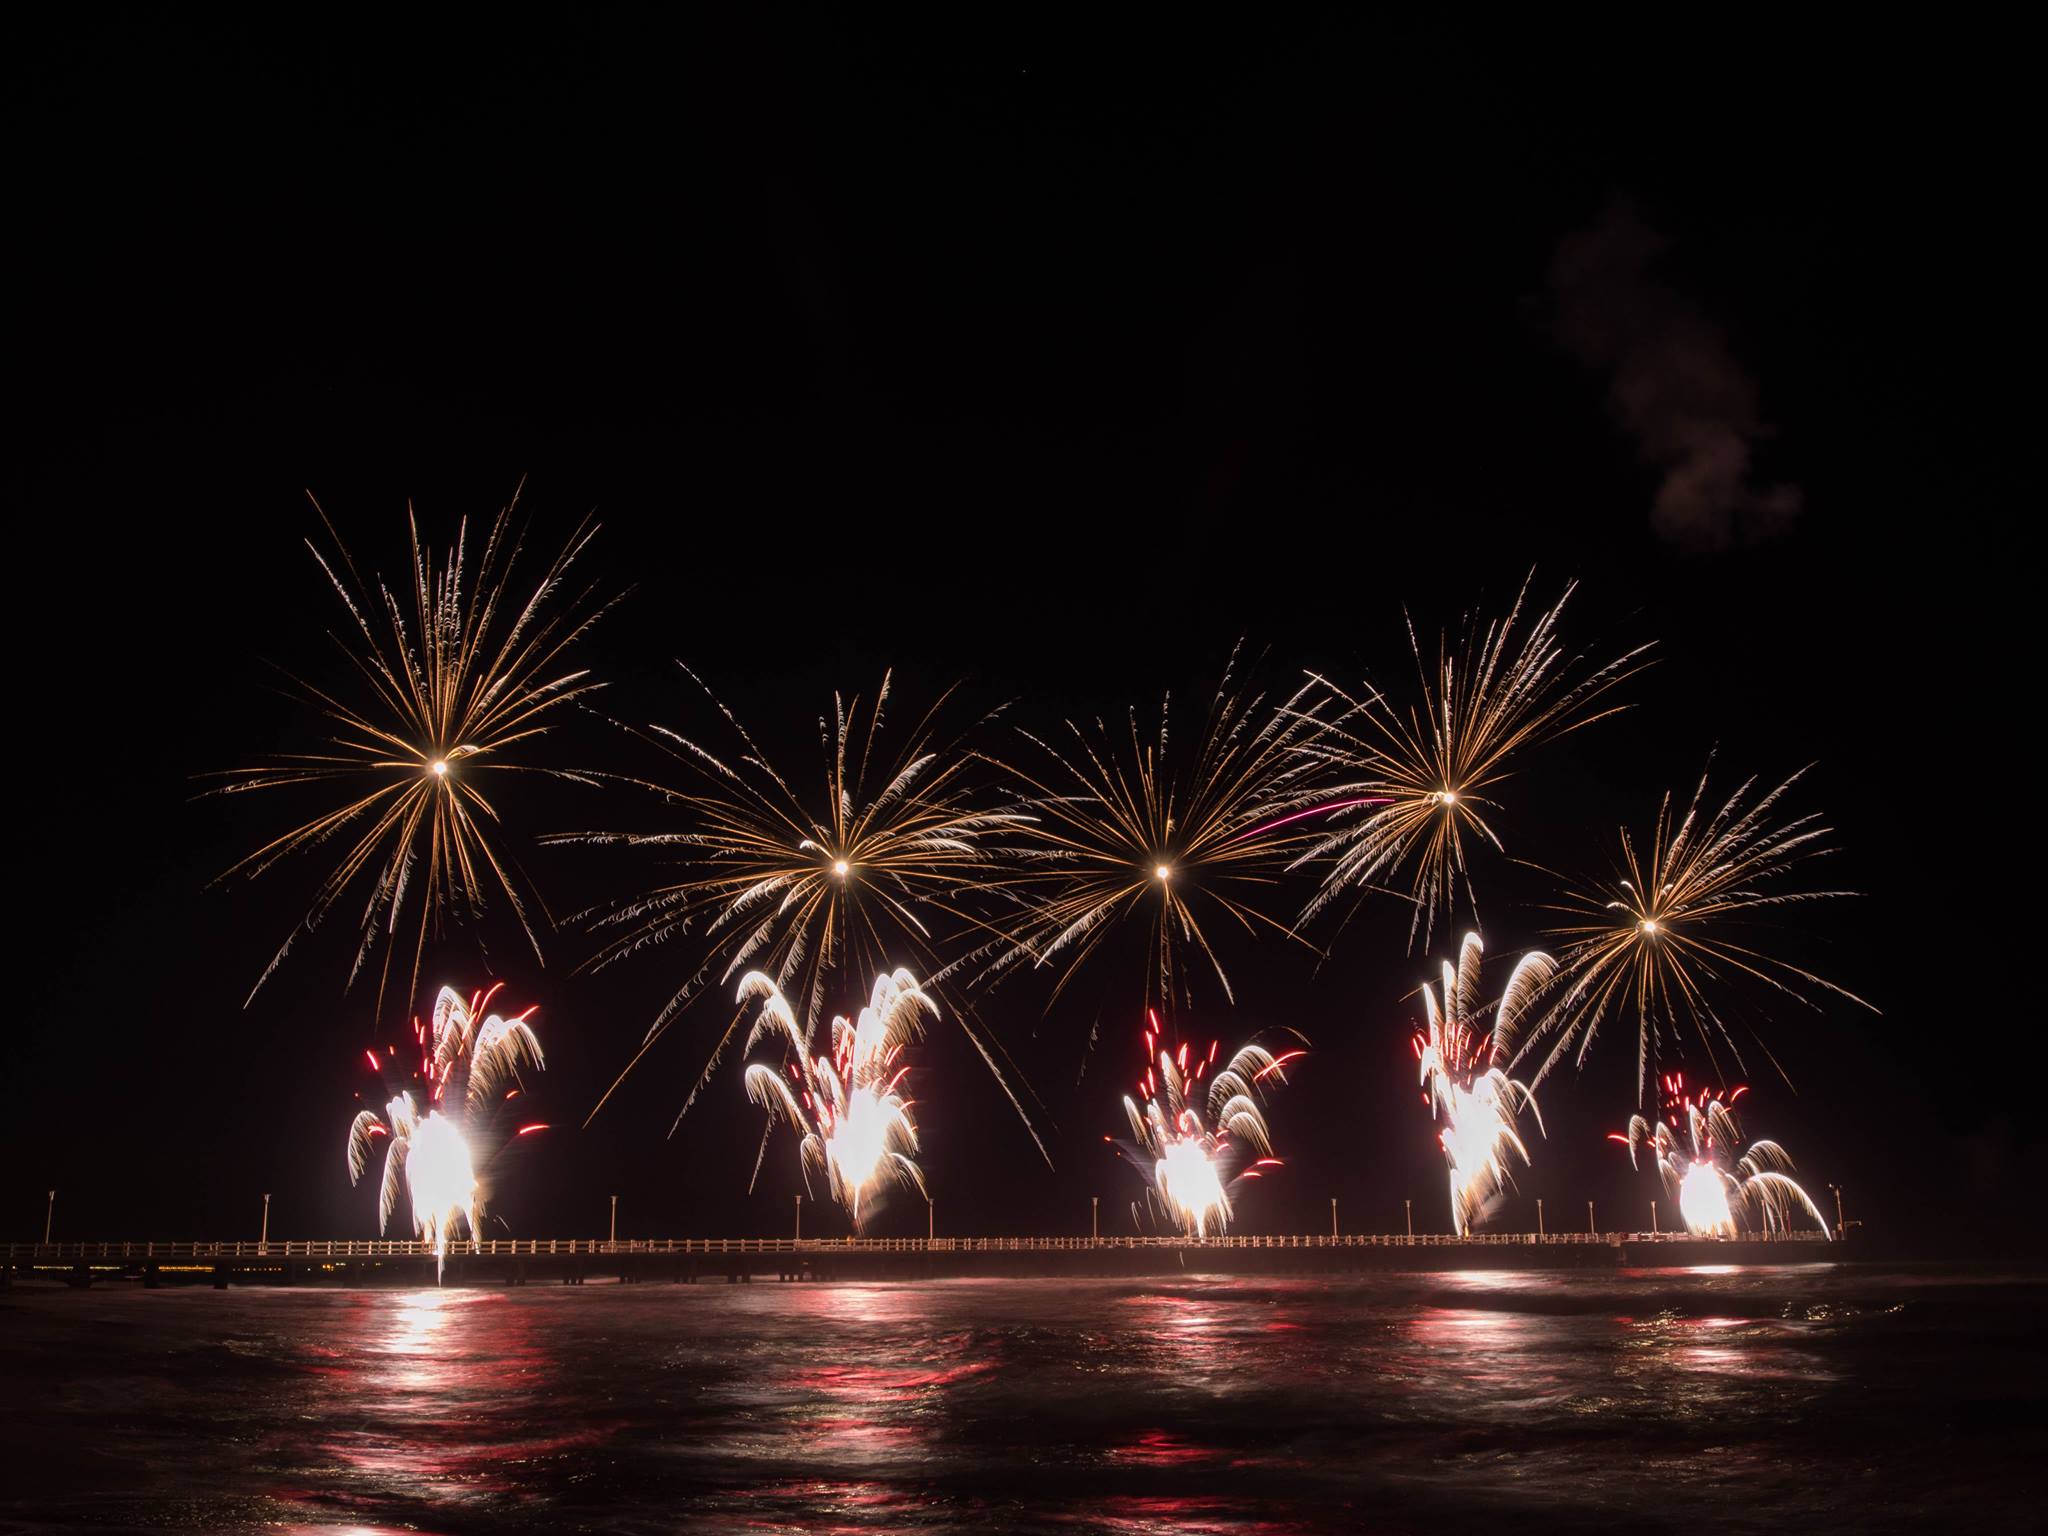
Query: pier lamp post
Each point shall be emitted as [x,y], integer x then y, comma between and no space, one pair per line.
[1333,1218]
[615,1220]
[799,1218]
[1591,1230]
[931,1219]
[49,1214]
[1841,1227]
[1653,1218]
[263,1240]
[1095,1218]
[1539,1215]
[1408,1210]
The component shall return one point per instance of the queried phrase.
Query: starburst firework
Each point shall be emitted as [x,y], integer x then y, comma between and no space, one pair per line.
[1126,829]
[1415,785]
[811,890]
[1657,939]
[454,677]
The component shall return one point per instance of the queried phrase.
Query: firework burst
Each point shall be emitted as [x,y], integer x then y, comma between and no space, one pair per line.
[848,1107]
[1716,1191]
[1466,1086]
[466,1059]
[1192,1165]
[454,678]
[1416,786]
[810,891]
[1661,936]
[1125,829]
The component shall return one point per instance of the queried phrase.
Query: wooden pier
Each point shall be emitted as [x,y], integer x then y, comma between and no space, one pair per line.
[573,1261]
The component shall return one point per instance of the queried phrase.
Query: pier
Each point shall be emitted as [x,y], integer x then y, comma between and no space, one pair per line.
[575,1261]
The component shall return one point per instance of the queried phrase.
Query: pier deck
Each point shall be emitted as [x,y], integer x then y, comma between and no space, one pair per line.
[572,1261]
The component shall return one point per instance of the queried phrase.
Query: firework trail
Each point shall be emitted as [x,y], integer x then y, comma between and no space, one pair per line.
[453,678]
[810,891]
[1193,1166]
[1702,1172]
[466,1059]
[1465,1085]
[1422,780]
[847,1107]
[1656,940]
[1128,827]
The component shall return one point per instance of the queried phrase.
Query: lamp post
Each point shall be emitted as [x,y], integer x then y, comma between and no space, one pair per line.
[1591,1230]
[263,1242]
[931,1219]
[1653,1218]
[615,1220]
[1408,1209]
[1841,1227]
[1539,1215]
[799,1218]
[1095,1218]
[49,1214]
[1333,1218]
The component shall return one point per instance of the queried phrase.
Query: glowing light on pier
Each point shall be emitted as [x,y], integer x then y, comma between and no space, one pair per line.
[1466,1084]
[465,1058]
[847,1107]
[1718,1192]
[1193,1165]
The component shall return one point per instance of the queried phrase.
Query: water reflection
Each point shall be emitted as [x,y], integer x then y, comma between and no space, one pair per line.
[1248,1406]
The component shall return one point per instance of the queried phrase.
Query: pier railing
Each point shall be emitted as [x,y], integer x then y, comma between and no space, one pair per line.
[522,1247]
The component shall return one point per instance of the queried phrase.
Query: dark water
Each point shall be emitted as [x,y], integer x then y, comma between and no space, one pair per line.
[1812,1399]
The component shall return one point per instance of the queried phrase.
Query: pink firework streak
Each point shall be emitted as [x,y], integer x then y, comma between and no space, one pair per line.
[1314,810]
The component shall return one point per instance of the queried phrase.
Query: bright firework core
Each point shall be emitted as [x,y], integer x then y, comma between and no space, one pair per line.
[1703,1201]
[1190,1185]
[839,867]
[440,767]
[1163,871]
[440,1179]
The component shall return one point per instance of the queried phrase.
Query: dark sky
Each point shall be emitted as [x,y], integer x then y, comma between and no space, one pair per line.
[1054,360]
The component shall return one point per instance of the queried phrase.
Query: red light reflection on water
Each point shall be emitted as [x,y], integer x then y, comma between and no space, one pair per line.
[430,1395]
[1162,1448]
[1133,1515]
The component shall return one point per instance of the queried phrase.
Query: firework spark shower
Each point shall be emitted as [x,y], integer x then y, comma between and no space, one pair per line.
[1465,1082]
[428,1153]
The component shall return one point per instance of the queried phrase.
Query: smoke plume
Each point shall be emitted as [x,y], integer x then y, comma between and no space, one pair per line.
[1675,387]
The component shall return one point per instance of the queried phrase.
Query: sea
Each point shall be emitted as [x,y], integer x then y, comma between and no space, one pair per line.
[1815,1398]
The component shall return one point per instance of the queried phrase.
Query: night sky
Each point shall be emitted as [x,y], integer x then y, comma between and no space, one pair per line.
[1050,360]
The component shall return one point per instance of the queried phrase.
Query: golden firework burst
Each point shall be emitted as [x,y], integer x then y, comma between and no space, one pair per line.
[453,678]
[1126,830]
[875,869]
[1665,932]
[1413,786]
